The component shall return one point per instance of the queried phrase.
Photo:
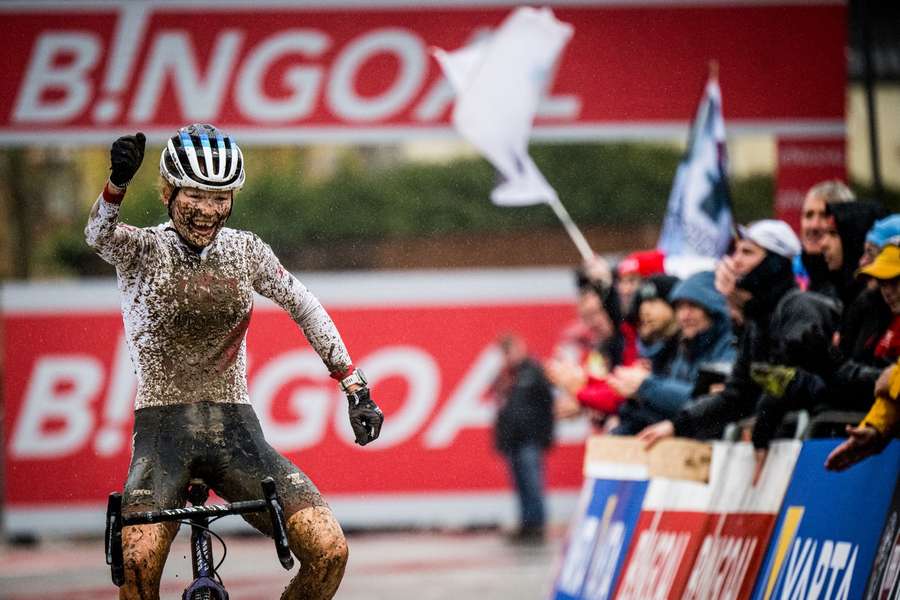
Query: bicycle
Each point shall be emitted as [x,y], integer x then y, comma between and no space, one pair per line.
[207,584]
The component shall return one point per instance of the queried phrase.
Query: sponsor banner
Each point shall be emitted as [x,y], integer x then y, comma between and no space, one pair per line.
[428,353]
[826,536]
[613,492]
[697,539]
[285,72]
[802,163]
[743,518]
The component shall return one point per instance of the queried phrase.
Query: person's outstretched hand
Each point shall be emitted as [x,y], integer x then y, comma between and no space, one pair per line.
[125,157]
[862,442]
[365,416]
[658,431]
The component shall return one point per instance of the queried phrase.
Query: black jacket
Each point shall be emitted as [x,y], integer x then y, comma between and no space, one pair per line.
[865,322]
[525,414]
[790,328]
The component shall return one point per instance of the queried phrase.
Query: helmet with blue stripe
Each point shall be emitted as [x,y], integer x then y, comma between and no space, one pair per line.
[201,156]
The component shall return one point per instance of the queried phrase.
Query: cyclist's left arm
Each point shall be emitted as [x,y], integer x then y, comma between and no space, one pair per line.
[273,281]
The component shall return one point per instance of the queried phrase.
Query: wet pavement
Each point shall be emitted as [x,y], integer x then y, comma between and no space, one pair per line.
[388,566]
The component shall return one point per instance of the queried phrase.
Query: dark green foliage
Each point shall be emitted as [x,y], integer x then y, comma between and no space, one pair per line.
[616,185]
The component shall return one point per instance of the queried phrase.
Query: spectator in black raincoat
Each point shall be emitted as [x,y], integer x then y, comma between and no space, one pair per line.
[784,350]
[524,431]
[869,340]
[843,241]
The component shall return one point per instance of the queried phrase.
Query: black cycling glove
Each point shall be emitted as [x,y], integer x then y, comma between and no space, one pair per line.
[125,157]
[365,416]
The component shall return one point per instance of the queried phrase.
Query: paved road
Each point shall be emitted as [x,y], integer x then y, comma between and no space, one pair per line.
[388,566]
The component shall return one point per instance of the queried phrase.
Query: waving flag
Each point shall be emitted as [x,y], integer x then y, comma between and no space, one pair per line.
[499,81]
[698,218]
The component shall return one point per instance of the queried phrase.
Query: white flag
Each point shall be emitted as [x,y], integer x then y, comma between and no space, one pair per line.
[698,217]
[499,82]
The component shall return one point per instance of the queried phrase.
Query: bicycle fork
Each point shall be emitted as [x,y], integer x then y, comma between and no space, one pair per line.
[204,586]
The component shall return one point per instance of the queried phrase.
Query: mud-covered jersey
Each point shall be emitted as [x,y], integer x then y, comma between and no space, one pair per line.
[186,312]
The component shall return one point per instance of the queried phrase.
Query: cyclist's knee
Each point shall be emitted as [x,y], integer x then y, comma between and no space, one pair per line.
[144,550]
[316,537]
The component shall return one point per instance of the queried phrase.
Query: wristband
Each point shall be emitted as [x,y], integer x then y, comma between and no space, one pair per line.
[112,193]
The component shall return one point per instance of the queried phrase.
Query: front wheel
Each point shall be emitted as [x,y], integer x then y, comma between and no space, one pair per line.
[208,594]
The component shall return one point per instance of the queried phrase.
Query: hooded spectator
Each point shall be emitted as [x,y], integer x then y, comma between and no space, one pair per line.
[867,325]
[842,247]
[809,266]
[783,351]
[706,337]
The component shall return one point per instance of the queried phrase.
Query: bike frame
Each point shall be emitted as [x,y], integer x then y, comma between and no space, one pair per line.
[201,541]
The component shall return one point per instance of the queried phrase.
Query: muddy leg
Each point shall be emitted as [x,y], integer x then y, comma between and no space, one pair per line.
[145,548]
[316,539]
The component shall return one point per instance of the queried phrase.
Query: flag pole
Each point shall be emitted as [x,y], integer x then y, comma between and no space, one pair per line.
[580,242]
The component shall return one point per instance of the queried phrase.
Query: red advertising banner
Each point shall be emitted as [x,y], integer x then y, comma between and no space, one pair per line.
[697,540]
[802,163]
[275,72]
[426,344]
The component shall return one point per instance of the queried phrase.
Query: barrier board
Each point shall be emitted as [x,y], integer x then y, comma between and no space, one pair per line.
[827,532]
[616,476]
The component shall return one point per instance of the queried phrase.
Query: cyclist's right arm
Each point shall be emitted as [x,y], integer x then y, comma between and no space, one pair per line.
[115,242]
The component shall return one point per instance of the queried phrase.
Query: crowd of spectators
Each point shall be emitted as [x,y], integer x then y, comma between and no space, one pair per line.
[781,324]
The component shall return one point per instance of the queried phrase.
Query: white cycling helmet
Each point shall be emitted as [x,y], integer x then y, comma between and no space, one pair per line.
[201,156]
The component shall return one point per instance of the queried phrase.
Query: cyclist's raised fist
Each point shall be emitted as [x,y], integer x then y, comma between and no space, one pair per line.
[125,157]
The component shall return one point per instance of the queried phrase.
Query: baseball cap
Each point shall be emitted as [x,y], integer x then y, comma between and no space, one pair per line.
[644,263]
[885,266]
[772,235]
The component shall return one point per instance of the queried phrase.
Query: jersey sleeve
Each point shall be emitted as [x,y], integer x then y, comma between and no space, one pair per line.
[273,281]
[117,243]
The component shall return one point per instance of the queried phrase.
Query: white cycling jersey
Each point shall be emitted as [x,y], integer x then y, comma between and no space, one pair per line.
[186,313]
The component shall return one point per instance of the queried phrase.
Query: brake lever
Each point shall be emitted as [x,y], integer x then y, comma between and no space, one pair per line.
[276,514]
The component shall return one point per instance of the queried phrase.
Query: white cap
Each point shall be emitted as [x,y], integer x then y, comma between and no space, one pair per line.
[772,235]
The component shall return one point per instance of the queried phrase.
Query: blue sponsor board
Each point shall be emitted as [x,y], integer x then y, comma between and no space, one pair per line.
[599,540]
[827,534]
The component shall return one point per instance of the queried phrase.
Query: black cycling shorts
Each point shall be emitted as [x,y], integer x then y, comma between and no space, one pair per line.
[221,443]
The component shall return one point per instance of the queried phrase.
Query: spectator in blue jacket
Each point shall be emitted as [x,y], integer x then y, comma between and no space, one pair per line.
[706,337]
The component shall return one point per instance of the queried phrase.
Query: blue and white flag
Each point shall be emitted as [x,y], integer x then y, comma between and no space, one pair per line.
[698,218]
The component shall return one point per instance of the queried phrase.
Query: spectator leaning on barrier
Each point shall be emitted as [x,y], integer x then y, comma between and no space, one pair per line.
[809,266]
[784,346]
[657,330]
[869,340]
[842,245]
[883,419]
[524,430]
[598,308]
[657,346]
[705,337]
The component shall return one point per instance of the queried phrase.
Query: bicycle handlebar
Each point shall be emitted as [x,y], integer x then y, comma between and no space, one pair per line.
[115,521]
[276,514]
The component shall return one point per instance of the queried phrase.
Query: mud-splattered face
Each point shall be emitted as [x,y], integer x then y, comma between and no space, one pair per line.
[198,215]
